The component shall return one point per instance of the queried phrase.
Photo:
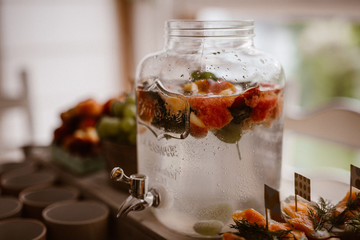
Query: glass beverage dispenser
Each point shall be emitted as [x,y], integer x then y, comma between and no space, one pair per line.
[210,124]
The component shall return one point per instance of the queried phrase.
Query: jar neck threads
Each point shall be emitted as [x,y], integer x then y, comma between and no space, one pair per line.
[234,33]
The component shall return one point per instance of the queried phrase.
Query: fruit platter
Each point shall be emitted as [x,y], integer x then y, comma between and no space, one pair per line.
[76,144]
[309,220]
[81,142]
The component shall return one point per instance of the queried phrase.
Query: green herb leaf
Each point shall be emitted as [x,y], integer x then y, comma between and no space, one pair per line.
[321,213]
[348,214]
[354,224]
[254,231]
[196,75]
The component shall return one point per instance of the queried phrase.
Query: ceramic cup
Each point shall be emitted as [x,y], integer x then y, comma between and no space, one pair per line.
[35,199]
[74,220]
[10,207]
[22,167]
[22,228]
[13,184]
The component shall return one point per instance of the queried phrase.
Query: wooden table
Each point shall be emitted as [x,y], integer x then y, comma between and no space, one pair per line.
[143,225]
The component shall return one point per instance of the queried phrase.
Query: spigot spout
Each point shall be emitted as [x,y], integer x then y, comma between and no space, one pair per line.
[140,197]
[131,204]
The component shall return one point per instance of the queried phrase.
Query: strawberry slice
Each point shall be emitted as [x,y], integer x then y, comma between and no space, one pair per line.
[221,87]
[146,105]
[265,107]
[89,107]
[251,96]
[87,122]
[203,85]
[212,111]
[197,127]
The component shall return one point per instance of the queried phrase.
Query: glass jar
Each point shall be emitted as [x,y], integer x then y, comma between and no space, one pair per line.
[209,112]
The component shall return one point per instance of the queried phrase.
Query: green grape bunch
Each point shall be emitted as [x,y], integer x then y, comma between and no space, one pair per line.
[118,122]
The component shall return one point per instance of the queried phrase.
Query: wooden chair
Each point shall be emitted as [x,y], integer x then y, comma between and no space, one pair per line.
[21,102]
[337,123]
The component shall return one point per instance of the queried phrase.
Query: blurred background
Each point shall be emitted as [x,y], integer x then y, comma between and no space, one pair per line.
[56,53]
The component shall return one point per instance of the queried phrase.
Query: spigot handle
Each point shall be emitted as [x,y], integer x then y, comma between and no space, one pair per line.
[138,182]
[118,175]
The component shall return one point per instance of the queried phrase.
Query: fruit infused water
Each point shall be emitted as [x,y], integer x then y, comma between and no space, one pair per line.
[208,146]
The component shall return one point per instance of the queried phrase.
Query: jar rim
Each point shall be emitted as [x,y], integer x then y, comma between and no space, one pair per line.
[213,28]
[212,24]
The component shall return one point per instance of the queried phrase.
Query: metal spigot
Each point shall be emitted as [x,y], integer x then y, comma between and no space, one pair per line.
[140,197]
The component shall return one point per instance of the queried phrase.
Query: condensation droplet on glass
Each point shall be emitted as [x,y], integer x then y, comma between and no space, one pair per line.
[238,150]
